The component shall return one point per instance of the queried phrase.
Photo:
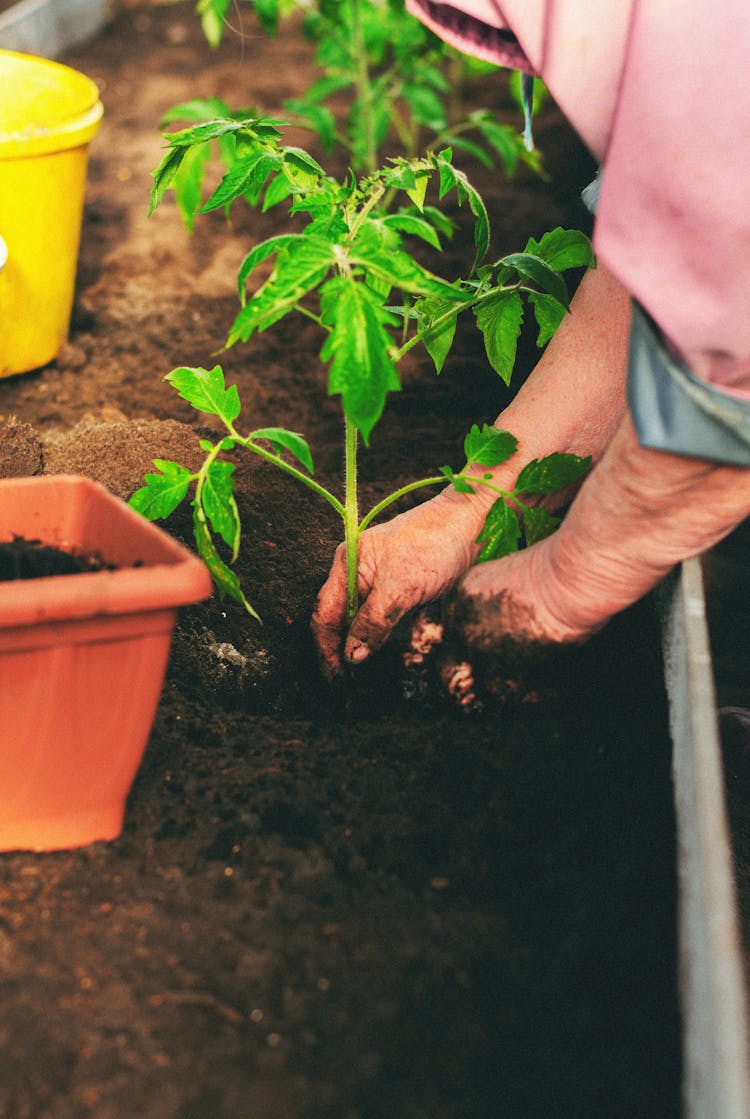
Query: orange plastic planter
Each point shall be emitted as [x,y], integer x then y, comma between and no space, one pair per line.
[82,660]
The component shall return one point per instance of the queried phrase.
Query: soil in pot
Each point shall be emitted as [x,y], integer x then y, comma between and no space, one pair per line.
[326,905]
[32,559]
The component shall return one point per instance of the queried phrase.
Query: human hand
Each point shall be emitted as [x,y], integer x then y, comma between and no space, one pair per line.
[409,561]
[638,514]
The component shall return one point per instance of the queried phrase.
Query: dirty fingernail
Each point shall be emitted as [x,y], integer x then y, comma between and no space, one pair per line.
[357,653]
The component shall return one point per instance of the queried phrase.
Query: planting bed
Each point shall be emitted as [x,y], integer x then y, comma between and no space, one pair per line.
[325,904]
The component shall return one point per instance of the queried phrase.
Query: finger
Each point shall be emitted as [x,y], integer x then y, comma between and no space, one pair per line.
[427,633]
[328,621]
[457,677]
[372,625]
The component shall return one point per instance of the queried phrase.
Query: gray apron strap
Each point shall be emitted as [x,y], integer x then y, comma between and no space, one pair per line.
[673,410]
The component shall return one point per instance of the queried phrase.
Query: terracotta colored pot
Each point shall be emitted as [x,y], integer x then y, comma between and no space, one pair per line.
[82,660]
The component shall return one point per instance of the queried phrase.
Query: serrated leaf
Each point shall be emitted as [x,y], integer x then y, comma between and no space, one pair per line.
[358,349]
[499,317]
[257,255]
[245,179]
[279,188]
[206,391]
[563,248]
[489,446]
[164,175]
[300,267]
[418,227]
[500,534]
[436,340]
[540,273]
[551,473]
[473,149]
[418,192]
[162,492]
[225,579]
[548,314]
[381,255]
[303,165]
[538,523]
[188,180]
[217,498]
[451,177]
[288,441]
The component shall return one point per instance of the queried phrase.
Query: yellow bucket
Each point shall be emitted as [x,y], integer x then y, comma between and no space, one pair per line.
[48,115]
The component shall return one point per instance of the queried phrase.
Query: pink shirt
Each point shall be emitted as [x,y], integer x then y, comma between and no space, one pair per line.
[659,91]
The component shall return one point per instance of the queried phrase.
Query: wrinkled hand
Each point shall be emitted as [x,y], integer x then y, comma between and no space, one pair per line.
[413,559]
[638,514]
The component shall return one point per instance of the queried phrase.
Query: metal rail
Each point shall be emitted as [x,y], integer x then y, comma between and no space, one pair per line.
[716,1074]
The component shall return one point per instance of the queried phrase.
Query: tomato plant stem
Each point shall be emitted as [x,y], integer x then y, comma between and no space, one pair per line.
[352,526]
[364,90]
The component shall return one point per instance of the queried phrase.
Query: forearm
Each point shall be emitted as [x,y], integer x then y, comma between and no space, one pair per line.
[638,514]
[575,398]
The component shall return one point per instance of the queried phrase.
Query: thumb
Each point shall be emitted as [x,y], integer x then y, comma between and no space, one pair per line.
[371,627]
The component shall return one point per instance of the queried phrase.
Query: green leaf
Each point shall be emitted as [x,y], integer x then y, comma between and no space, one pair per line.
[164,175]
[267,12]
[500,534]
[426,107]
[418,192]
[197,108]
[188,181]
[279,188]
[213,15]
[288,441]
[563,248]
[499,317]
[439,339]
[260,253]
[451,177]
[162,492]
[538,523]
[489,446]
[374,250]
[245,179]
[551,473]
[410,223]
[300,268]
[302,167]
[358,349]
[459,483]
[548,314]
[225,579]
[217,498]
[540,273]
[318,117]
[503,139]
[206,391]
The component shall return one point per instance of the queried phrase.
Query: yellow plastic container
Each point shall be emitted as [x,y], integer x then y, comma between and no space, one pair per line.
[49,113]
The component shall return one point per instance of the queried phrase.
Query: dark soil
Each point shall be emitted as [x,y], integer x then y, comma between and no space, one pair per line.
[324,904]
[32,559]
